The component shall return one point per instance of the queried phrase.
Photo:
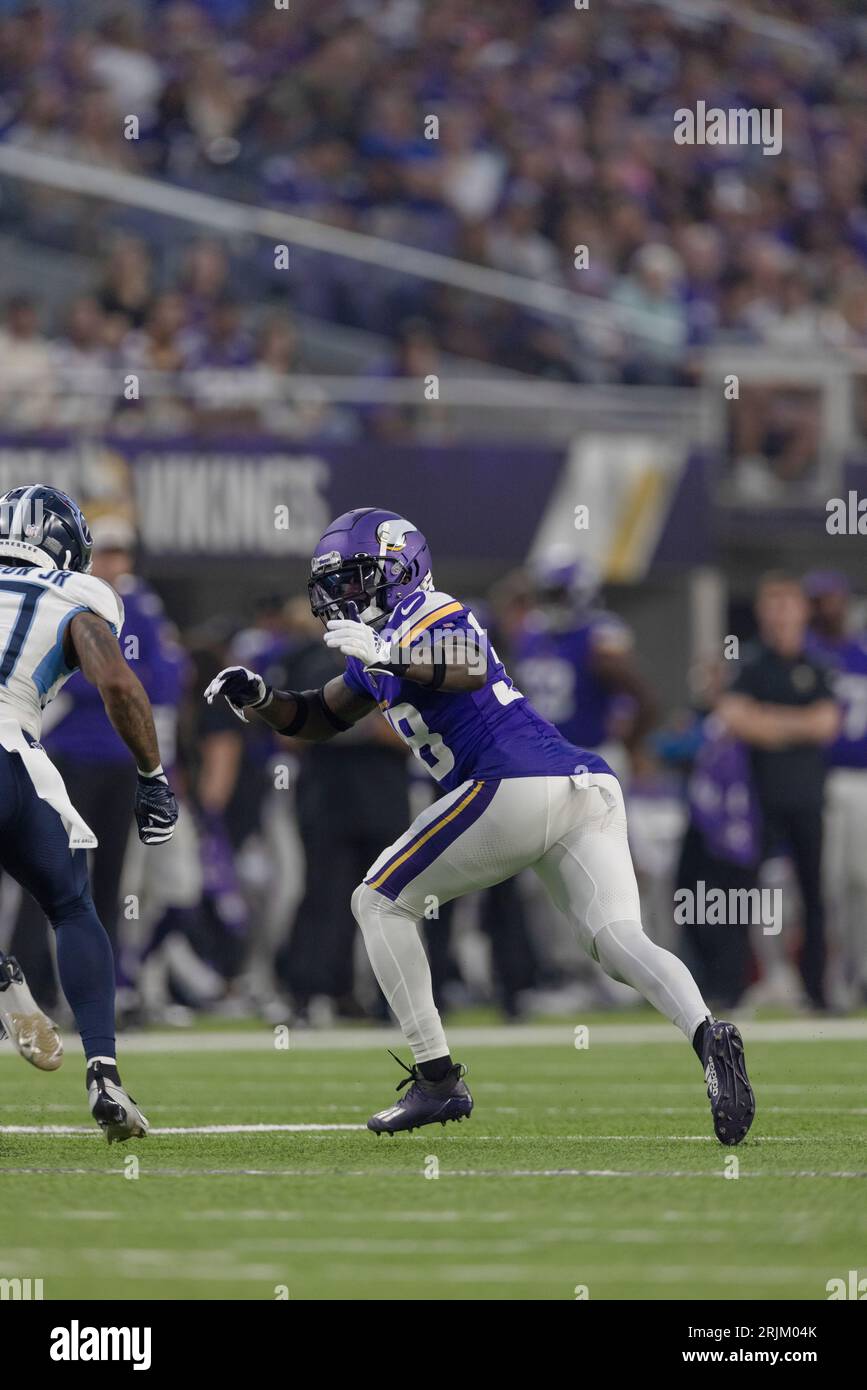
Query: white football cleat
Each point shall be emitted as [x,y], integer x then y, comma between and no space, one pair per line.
[114,1110]
[35,1035]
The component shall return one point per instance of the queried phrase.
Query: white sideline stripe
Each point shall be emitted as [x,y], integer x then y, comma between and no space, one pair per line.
[497,1173]
[91,1132]
[633,1173]
[526,1035]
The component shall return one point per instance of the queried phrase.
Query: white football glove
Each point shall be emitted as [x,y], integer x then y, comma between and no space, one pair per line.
[240,689]
[358,640]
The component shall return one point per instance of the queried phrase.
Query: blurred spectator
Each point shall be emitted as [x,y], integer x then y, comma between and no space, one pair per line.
[652,289]
[127,290]
[87,383]
[161,346]
[775,435]
[223,341]
[845,880]
[121,62]
[204,280]
[27,383]
[417,357]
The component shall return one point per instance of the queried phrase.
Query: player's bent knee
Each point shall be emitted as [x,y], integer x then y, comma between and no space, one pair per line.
[356,902]
[615,945]
[369,906]
[75,909]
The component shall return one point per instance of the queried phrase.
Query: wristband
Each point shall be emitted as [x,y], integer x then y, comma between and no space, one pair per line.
[389,668]
[157,772]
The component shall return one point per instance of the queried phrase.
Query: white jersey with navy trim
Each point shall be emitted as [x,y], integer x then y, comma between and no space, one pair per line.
[36,605]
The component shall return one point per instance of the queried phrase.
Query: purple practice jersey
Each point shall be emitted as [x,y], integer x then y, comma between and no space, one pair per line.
[722,799]
[81,729]
[483,734]
[554,667]
[847,663]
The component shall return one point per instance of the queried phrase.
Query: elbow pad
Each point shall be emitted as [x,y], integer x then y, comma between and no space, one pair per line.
[304,701]
[339,724]
[297,724]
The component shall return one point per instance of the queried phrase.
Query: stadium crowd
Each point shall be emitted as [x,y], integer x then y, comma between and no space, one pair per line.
[555,132]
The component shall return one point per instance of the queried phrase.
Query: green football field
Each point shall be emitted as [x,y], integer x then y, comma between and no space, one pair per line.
[580,1169]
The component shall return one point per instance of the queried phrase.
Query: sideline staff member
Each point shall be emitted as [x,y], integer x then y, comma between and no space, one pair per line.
[782,705]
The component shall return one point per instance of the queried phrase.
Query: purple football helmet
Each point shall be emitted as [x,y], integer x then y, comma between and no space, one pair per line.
[365,564]
[565,584]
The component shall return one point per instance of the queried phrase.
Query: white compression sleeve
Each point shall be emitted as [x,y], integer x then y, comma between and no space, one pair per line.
[627,954]
[400,965]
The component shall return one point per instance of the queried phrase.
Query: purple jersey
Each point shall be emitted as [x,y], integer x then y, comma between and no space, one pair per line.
[847,664]
[482,734]
[555,670]
[722,799]
[82,729]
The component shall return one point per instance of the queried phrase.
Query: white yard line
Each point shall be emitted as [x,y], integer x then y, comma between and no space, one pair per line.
[90,1132]
[445,1173]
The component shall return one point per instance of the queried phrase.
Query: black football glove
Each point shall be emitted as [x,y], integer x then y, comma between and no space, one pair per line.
[156,810]
[242,689]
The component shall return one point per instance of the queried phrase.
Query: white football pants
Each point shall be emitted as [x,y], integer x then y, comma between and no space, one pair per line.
[572,832]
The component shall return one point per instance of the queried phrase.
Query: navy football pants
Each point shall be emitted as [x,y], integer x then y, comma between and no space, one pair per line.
[34,850]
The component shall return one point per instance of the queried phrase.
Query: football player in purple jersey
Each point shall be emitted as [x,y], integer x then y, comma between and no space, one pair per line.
[518,795]
[574,660]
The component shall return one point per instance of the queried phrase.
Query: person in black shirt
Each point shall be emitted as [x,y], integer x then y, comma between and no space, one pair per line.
[349,799]
[781,704]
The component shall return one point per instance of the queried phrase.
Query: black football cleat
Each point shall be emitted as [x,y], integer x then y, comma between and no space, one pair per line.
[732,1102]
[425,1103]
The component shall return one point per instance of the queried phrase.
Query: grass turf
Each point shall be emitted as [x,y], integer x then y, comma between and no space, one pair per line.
[645,1212]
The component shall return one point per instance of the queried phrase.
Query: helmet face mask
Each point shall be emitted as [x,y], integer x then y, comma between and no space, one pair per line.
[357,582]
[366,563]
[41,526]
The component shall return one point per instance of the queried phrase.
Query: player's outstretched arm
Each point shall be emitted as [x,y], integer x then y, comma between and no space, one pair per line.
[316,715]
[312,715]
[92,646]
[97,653]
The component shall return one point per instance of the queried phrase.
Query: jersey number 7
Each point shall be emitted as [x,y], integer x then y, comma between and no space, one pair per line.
[31,594]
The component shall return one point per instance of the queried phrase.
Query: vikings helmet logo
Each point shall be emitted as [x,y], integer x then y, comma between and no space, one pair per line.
[392,534]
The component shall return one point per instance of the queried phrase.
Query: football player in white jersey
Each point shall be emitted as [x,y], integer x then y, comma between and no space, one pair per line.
[518,795]
[55,617]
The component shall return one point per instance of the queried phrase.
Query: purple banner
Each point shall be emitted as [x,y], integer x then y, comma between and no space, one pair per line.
[264,497]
